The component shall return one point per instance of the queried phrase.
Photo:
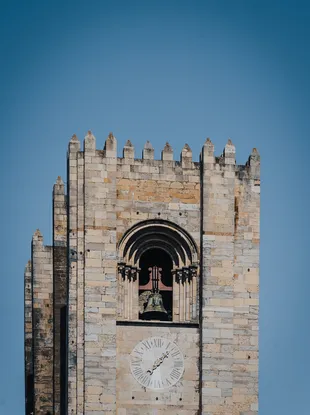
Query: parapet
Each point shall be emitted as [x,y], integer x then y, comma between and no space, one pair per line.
[225,161]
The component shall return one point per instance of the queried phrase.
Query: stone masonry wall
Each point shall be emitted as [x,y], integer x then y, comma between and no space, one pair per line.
[100,277]
[217,203]
[229,346]
[28,339]
[217,286]
[59,286]
[74,147]
[246,288]
[108,195]
[92,280]
[42,314]
[105,194]
[158,189]
[182,398]
[166,190]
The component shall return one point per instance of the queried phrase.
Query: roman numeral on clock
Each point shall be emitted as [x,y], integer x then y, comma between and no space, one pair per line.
[136,362]
[178,364]
[158,342]
[137,371]
[175,353]
[168,382]
[145,380]
[168,345]
[146,344]
[175,374]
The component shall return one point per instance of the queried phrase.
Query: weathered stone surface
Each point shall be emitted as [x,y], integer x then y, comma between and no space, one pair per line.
[60,292]
[213,207]
[28,339]
[42,321]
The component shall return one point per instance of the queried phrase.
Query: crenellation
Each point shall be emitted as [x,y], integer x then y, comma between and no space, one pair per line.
[167,153]
[148,151]
[229,153]
[74,144]
[254,165]
[110,147]
[37,239]
[89,144]
[128,150]
[186,157]
[207,153]
[147,164]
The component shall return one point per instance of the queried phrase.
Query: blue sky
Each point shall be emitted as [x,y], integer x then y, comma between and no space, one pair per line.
[176,71]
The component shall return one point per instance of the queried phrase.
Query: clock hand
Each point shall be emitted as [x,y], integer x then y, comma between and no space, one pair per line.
[158,362]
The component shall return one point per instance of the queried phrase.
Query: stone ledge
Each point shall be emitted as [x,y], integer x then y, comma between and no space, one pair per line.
[156,323]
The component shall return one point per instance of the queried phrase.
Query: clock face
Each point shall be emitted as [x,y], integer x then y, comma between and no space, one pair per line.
[157,363]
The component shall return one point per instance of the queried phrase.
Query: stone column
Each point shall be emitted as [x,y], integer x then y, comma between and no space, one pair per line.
[193,277]
[126,292]
[135,293]
[120,291]
[176,296]
[181,294]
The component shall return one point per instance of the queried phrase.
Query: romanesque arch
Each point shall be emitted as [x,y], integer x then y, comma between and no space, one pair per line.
[157,273]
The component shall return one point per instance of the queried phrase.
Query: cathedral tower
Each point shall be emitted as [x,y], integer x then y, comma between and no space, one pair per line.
[147,301]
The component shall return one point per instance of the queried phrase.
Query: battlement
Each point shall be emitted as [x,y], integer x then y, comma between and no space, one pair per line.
[185,165]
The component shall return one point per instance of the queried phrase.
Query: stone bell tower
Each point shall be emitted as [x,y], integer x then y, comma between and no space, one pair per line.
[147,301]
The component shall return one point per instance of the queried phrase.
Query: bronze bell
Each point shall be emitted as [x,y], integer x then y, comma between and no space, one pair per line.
[155,309]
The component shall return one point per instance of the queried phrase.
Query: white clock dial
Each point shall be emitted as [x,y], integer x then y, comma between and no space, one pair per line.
[157,363]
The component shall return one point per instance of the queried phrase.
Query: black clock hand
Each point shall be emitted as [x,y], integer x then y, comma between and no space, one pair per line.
[158,362]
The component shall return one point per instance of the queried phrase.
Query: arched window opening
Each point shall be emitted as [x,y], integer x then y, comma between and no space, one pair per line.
[155,286]
[157,273]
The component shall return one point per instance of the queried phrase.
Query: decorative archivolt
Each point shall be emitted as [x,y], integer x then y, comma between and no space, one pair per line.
[158,234]
[182,250]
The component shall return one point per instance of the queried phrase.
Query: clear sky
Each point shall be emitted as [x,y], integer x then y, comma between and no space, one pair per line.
[176,71]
